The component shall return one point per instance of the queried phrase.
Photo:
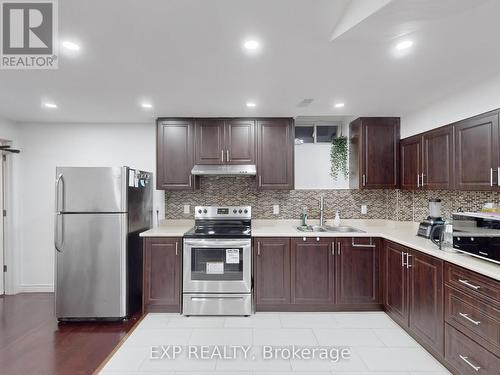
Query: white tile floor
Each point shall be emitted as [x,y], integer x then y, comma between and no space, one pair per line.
[377,345]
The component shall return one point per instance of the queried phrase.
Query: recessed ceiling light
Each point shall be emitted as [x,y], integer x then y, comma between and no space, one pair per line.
[405,44]
[146,105]
[50,105]
[339,105]
[71,46]
[251,105]
[251,45]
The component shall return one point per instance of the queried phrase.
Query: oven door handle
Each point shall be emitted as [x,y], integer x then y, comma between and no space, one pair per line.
[210,244]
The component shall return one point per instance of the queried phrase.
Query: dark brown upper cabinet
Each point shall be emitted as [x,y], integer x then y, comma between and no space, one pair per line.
[477,161]
[374,153]
[427,160]
[209,140]
[220,141]
[411,162]
[275,149]
[174,154]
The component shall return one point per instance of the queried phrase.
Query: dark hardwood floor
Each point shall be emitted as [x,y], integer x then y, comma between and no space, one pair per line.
[32,342]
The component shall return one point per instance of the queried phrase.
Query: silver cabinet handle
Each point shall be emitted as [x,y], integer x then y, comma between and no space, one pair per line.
[260,180]
[361,245]
[333,248]
[403,259]
[364,180]
[222,155]
[466,283]
[317,239]
[176,248]
[303,239]
[466,360]
[422,182]
[58,180]
[339,244]
[408,265]
[418,180]
[258,247]
[466,316]
[491,176]
[227,156]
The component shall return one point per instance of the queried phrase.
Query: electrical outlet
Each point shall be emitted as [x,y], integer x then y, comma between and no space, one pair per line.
[187,209]
[276,209]
[364,209]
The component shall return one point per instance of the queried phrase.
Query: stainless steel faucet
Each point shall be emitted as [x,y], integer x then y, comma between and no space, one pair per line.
[321,211]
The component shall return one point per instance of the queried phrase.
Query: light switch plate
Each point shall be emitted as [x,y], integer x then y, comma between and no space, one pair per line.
[364,209]
[276,209]
[187,209]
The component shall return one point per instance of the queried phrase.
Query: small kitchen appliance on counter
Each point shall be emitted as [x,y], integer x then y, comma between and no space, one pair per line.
[434,219]
[217,277]
[477,234]
[100,212]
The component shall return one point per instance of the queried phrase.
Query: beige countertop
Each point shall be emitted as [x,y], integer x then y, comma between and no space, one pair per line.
[402,232]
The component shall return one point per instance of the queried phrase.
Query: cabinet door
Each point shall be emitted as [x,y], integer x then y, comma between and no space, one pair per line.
[357,270]
[240,141]
[396,283]
[411,162]
[209,135]
[313,278]
[174,154]
[275,154]
[380,153]
[438,159]
[476,153]
[162,274]
[272,271]
[426,299]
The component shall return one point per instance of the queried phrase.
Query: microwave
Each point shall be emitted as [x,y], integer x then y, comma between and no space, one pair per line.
[477,234]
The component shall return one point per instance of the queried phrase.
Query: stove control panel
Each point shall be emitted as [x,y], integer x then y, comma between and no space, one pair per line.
[223,212]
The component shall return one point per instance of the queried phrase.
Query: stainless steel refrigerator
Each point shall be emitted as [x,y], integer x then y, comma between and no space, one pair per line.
[99,214]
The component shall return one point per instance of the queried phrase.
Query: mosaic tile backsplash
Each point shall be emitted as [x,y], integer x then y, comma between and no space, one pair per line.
[399,205]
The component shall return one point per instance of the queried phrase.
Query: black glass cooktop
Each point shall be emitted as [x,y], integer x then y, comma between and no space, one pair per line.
[238,229]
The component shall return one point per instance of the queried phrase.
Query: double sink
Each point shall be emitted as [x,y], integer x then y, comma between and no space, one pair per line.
[329,228]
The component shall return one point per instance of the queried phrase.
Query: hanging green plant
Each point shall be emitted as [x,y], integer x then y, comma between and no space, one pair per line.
[338,157]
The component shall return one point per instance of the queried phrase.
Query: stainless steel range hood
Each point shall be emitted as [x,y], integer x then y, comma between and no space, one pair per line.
[224,170]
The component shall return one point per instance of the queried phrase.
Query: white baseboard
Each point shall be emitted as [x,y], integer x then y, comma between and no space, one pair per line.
[33,288]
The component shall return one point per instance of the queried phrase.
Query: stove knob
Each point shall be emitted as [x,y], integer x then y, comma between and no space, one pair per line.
[245,211]
[240,211]
[234,211]
[205,211]
[199,211]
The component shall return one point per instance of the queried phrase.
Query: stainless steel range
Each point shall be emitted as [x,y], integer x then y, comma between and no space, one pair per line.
[218,263]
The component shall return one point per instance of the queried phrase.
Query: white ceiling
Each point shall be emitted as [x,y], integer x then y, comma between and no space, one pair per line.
[186,57]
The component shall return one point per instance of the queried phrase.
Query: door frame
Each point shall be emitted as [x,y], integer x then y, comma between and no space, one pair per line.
[3,254]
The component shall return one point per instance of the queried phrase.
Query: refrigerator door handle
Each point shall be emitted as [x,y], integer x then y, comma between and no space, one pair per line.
[56,231]
[59,181]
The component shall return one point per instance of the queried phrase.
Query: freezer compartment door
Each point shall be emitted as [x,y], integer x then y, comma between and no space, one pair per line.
[91,265]
[91,189]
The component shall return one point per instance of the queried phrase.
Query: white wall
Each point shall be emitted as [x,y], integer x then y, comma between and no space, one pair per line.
[468,102]
[45,146]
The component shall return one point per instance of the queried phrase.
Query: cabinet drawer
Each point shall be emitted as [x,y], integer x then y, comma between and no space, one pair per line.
[472,282]
[477,319]
[468,357]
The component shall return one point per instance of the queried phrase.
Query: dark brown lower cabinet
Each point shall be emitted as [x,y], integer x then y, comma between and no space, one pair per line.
[162,274]
[357,271]
[413,290]
[312,272]
[271,272]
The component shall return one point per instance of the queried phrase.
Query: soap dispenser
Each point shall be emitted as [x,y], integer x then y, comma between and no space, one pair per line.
[336,221]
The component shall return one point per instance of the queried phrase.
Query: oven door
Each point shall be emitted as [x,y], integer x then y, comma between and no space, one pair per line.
[217,266]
